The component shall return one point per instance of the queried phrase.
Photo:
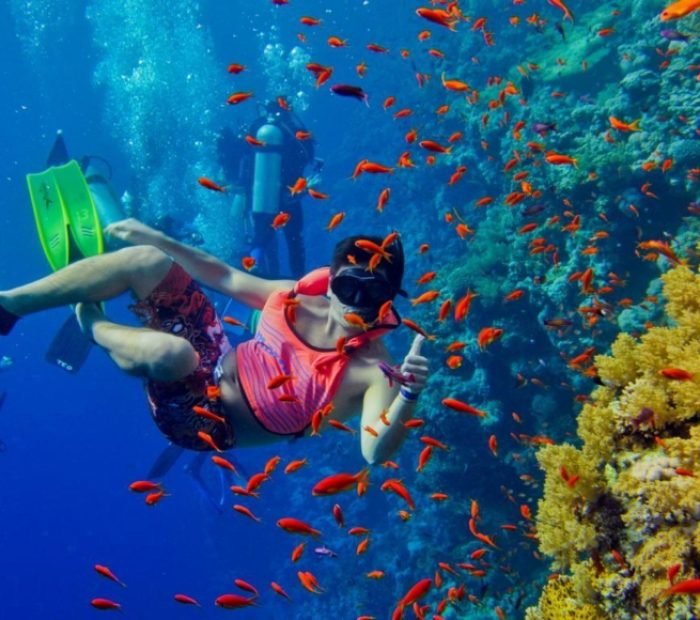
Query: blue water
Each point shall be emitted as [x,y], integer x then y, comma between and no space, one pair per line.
[144,85]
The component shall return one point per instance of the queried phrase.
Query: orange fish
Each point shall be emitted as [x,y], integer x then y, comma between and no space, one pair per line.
[375,168]
[362,546]
[316,194]
[622,126]
[355,320]
[337,42]
[278,590]
[209,184]
[205,413]
[248,262]
[278,381]
[246,511]
[689,586]
[558,159]
[223,463]
[233,601]
[229,320]
[679,9]
[153,498]
[383,199]
[104,604]
[253,141]
[186,600]
[438,16]
[105,572]
[309,21]
[514,295]
[463,305]
[144,486]
[237,98]
[309,582]
[280,220]
[235,68]
[298,187]
[435,147]
[424,457]
[454,85]
[426,297]
[493,445]
[209,440]
[462,407]
[677,374]
[337,483]
[487,336]
[396,486]
[296,526]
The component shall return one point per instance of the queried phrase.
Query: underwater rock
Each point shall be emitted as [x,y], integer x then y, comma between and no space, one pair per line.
[640,83]
[685,152]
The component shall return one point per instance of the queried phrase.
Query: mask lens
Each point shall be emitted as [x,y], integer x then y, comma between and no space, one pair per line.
[360,289]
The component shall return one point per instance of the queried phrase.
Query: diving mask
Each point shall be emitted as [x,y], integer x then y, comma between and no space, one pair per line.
[358,288]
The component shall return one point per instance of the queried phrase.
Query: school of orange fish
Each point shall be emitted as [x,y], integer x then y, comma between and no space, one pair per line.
[434,23]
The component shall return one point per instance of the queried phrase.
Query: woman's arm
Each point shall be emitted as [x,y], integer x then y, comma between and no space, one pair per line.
[203,267]
[385,408]
[384,411]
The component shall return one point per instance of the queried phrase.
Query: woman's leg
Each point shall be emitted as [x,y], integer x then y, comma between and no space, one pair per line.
[139,269]
[139,351]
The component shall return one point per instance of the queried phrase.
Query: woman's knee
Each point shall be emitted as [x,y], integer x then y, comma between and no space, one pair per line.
[146,267]
[171,359]
[158,356]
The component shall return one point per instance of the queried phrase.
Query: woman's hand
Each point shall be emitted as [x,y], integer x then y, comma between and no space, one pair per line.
[416,367]
[133,232]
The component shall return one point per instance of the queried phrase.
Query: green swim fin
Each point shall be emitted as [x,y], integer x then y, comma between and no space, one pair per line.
[65,214]
[69,229]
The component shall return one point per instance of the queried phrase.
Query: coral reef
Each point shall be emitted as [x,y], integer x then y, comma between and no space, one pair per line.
[634,510]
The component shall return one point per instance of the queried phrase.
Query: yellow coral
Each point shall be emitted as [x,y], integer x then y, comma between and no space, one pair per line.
[596,426]
[563,531]
[560,602]
[620,367]
[636,508]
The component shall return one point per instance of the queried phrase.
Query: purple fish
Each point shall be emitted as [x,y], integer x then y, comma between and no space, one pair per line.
[544,128]
[345,90]
[392,373]
[532,210]
[645,416]
[674,35]
[325,552]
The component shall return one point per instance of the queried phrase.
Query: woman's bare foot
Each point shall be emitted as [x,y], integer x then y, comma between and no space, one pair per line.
[88,314]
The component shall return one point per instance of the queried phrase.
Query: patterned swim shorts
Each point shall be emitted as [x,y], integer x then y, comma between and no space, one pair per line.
[178,306]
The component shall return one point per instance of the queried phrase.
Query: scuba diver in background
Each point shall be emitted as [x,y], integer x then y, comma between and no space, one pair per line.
[262,177]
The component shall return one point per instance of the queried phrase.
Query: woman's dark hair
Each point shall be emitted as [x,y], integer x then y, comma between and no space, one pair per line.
[392,271]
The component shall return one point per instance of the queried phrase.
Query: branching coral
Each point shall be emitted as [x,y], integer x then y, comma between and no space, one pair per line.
[559,601]
[635,509]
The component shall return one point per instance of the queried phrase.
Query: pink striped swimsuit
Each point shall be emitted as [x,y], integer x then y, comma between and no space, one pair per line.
[277,349]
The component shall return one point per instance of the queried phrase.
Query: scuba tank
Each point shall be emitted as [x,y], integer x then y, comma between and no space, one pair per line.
[265,199]
[107,204]
[268,171]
